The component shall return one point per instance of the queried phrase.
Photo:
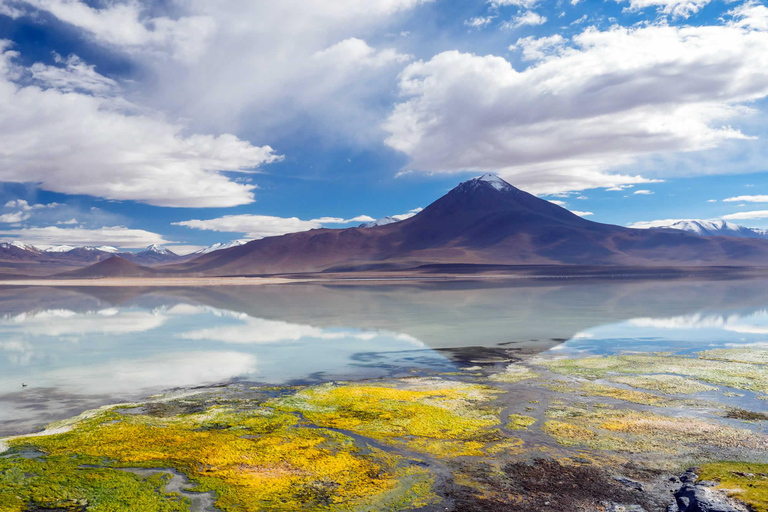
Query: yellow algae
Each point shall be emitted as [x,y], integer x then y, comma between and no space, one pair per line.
[667,384]
[253,460]
[743,480]
[382,412]
[519,422]
[513,374]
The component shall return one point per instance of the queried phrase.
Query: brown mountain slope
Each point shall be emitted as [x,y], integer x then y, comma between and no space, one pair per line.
[481,221]
[112,267]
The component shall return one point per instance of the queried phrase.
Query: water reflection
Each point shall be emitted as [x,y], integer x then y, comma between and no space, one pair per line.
[78,348]
[682,334]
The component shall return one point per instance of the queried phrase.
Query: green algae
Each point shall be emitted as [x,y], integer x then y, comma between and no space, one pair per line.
[738,375]
[253,458]
[743,480]
[628,430]
[667,384]
[740,355]
[63,483]
[513,374]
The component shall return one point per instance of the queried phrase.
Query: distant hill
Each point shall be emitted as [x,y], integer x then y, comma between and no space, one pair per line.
[482,221]
[112,267]
[716,228]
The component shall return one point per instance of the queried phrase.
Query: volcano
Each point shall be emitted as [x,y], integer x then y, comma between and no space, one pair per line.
[483,221]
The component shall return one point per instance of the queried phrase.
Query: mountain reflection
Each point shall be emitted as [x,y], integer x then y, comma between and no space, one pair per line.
[77,348]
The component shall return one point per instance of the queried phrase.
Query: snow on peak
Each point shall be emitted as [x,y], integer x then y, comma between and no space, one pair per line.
[714,228]
[60,248]
[379,222]
[494,181]
[159,249]
[19,245]
[221,245]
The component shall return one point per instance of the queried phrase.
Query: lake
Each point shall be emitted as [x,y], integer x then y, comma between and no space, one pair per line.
[66,350]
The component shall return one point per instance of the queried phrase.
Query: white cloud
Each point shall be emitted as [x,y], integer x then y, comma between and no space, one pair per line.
[711,200]
[13,218]
[534,48]
[12,11]
[125,25]
[661,223]
[528,4]
[479,21]
[676,8]
[407,215]
[572,120]
[525,18]
[74,76]
[643,192]
[79,143]
[357,53]
[262,226]
[25,206]
[116,236]
[69,222]
[581,214]
[558,203]
[747,199]
[759,214]
[271,80]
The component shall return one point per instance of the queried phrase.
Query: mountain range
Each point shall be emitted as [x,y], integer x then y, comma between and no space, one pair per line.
[483,221]
[716,228]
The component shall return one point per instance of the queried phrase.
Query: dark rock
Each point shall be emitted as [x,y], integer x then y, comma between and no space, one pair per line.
[699,498]
[628,482]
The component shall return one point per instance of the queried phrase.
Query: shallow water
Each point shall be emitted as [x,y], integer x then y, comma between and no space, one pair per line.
[75,349]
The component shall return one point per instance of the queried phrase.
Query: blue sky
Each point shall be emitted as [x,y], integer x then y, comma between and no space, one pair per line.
[134,122]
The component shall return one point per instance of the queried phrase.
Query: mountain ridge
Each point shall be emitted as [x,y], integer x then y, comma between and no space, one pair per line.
[484,220]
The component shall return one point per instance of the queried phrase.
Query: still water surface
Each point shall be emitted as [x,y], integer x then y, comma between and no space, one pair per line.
[75,349]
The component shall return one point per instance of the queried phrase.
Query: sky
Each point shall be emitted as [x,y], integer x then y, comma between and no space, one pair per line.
[190,122]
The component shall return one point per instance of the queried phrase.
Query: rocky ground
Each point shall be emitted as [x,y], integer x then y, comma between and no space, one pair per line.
[635,432]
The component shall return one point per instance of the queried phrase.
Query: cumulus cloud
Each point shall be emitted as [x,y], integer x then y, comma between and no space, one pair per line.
[79,143]
[24,205]
[676,8]
[571,120]
[117,236]
[528,4]
[759,214]
[536,48]
[272,79]
[126,25]
[13,218]
[643,192]
[581,214]
[72,75]
[525,18]
[262,226]
[747,199]
[479,21]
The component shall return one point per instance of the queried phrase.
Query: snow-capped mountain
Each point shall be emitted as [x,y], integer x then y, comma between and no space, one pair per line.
[20,246]
[157,249]
[716,228]
[379,222]
[70,248]
[219,246]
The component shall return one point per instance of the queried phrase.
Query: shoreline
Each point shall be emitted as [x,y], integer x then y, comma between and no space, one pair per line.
[641,274]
